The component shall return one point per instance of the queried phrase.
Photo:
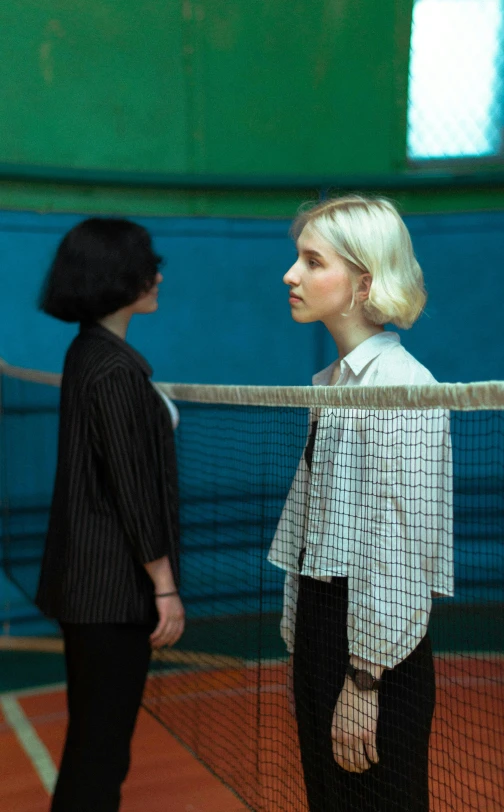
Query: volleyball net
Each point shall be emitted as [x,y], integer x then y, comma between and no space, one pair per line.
[388,480]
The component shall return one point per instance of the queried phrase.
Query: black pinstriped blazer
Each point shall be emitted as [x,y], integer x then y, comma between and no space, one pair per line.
[115,502]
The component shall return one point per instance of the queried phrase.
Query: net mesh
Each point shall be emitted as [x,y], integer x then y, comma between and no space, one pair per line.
[223,690]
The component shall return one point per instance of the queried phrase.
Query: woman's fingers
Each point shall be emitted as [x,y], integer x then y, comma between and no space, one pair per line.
[171,622]
[353,729]
[167,635]
[370,747]
[349,753]
[355,760]
[351,757]
[360,759]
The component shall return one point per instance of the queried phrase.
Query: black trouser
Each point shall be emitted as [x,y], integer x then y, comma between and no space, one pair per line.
[106,671]
[399,782]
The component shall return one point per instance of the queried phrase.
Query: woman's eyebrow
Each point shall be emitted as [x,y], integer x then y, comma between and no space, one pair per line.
[310,251]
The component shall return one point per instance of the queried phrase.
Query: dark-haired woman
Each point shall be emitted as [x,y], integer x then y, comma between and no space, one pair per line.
[110,572]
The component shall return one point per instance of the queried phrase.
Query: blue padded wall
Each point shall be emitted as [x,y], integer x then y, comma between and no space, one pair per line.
[224,316]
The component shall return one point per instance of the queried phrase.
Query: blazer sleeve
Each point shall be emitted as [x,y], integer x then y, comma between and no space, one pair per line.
[404,527]
[123,436]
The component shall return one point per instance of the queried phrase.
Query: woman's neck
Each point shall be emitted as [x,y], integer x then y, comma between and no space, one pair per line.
[349,333]
[117,322]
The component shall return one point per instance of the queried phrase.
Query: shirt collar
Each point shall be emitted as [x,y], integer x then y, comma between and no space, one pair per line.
[360,357]
[125,348]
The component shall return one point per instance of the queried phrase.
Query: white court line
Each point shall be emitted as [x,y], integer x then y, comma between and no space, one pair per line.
[35,690]
[30,741]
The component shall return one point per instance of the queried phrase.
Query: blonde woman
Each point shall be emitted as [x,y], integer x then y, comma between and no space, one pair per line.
[365,537]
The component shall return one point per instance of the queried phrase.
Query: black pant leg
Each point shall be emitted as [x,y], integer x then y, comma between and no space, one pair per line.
[407,701]
[107,666]
[320,656]
[399,783]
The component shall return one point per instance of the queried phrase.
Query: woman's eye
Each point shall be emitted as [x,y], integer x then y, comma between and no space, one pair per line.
[313,263]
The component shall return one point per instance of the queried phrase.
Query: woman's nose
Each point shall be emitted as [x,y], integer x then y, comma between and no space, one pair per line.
[159,278]
[291,277]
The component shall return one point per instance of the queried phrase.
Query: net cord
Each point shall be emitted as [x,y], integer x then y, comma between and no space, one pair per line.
[465,397]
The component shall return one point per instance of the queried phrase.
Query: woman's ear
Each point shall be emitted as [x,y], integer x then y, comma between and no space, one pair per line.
[364,286]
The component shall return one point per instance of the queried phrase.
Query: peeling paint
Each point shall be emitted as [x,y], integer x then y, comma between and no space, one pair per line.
[224,28]
[47,62]
[53,30]
[55,27]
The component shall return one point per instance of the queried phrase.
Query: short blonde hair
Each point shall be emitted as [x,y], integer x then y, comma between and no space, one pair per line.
[370,235]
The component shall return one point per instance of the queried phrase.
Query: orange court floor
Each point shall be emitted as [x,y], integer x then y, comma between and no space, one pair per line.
[164,776]
[467,742]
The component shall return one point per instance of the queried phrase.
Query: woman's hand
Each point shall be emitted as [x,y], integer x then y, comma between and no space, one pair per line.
[171,622]
[353,728]
[169,607]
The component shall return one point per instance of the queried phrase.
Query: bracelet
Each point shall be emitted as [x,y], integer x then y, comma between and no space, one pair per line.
[166,594]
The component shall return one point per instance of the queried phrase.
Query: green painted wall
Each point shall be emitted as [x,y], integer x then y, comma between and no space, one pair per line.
[198,87]
[93,83]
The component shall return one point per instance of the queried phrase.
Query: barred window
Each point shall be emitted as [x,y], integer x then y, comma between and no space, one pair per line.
[456,79]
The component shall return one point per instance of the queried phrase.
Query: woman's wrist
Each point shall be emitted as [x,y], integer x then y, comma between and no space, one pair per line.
[364,665]
[161,575]
[166,594]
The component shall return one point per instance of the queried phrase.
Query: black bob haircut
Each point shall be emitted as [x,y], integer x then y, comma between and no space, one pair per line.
[101,265]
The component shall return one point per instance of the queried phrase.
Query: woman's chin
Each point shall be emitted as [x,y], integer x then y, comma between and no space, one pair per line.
[301,318]
[148,307]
